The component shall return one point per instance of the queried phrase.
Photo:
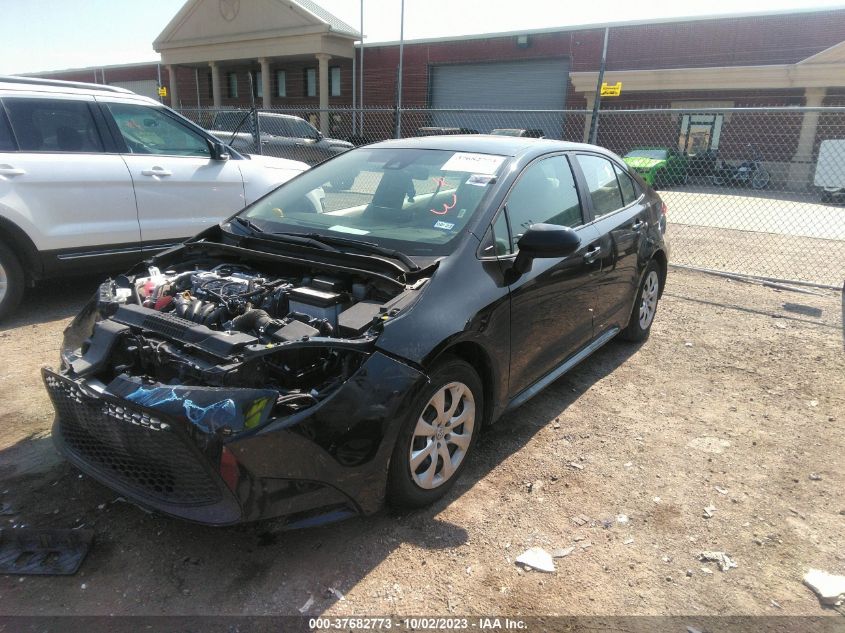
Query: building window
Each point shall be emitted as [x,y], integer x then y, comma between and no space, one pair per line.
[232,83]
[257,88]
[310,82]
[281,84]
[334,81]
[700,133]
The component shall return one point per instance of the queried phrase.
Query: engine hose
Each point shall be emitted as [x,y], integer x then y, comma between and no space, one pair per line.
[181,305]
[203,313]
[216,317]
[252,320]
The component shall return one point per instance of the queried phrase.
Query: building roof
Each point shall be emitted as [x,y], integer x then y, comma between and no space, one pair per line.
[335,23]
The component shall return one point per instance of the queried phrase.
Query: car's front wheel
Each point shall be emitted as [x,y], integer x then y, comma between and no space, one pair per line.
[11,281]
[437,437]
[645,306]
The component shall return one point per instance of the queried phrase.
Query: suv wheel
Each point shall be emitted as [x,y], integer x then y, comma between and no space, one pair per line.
[645,306]
[437,437]
[11,281]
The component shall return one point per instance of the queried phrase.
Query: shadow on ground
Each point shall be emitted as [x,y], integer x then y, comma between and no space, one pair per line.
[141,559]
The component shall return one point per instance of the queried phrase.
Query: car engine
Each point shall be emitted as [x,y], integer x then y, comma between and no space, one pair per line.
[231,325]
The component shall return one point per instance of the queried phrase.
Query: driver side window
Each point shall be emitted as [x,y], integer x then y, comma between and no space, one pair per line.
[545,193]
[148,131]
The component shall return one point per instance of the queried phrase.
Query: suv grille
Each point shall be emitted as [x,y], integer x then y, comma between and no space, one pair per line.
[125,444]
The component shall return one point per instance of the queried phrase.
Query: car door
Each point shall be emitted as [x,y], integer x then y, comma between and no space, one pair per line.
[64,184]
[180,189]
[552,304]
[621,218]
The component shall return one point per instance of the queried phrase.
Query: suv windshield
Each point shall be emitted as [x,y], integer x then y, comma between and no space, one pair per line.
[654,154]
[413,200]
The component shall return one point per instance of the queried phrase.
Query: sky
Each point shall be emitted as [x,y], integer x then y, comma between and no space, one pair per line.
[39,35]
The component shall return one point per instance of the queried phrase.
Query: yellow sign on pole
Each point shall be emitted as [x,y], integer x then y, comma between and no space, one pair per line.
[162,91]
[611,91]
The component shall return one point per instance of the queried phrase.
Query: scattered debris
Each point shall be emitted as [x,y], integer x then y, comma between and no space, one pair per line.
[53,552]
[575,465]
[687,344]
[776,605]
[83,586]
[781,325]
[561,553]
[337,594]
[704,570]
[308,603]
[537,558]
[815,477]
[556,425]
[813,403]
[724,561]
[586,544]
[536,486]
[829,588]
[627,541]
[796,513]
[622,519]
[721,491]
[689,573]
[707,444]
[692,629]
[656,500]
[575,539]
[581,519]
[709,511]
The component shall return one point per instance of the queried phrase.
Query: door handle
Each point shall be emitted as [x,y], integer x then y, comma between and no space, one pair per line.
[157,171]
[639,224]
[8,170]
[592,254]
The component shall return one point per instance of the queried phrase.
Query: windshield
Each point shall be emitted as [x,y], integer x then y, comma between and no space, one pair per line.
[413,200]
[654,154]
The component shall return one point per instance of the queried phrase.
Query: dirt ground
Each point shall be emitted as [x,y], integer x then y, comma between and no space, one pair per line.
[734,402]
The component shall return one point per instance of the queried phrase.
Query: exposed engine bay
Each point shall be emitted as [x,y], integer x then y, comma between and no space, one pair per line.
[290,339]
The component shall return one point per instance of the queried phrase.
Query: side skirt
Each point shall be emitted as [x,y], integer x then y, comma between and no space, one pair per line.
[560,370]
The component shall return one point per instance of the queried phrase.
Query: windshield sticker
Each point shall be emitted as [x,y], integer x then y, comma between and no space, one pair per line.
[473,163]
[440,224]
[347,229]
[480,180]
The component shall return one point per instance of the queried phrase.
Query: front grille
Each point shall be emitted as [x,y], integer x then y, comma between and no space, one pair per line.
[123,443]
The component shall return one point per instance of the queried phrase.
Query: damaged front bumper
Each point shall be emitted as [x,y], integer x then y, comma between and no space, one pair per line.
[161,446]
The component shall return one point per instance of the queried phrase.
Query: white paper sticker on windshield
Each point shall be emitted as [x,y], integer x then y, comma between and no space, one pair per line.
[440,224]
[473,163]
[347,229]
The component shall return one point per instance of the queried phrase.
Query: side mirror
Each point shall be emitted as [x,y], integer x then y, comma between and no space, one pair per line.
[544,241]
[219,151]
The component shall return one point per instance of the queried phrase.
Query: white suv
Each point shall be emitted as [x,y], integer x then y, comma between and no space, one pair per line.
[95,177]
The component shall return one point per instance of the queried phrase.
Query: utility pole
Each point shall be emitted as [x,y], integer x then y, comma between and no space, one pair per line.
[594,122]
[399,80]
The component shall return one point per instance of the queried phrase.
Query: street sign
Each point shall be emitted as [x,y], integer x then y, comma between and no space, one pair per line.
[162,91]
[611,91]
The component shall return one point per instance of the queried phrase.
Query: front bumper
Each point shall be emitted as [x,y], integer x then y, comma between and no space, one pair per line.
[323,463]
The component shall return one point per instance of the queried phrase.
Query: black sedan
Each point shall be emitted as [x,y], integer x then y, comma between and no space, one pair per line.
[324,350]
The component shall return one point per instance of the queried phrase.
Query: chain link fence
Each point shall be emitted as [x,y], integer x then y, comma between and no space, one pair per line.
[752,191]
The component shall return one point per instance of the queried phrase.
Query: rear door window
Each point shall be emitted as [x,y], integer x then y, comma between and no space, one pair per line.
[53,125]
[629,190]
[601,181]
[7,141]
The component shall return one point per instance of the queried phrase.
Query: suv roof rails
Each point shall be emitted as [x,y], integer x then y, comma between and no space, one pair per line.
[58,83]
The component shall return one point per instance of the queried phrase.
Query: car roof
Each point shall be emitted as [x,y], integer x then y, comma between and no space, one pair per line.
[487,144]
[55,87]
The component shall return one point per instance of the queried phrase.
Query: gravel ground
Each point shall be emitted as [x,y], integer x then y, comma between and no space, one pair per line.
[735,403]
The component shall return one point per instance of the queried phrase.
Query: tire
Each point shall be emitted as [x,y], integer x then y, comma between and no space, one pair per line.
[11,281]
[645,306]
[427,482]
[760,179]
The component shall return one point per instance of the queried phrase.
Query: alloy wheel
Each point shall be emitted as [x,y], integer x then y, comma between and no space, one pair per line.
[4,282]
[648,305]
[442,436]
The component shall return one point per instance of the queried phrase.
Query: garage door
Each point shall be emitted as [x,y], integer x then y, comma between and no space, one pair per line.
[144,87]
[520,85]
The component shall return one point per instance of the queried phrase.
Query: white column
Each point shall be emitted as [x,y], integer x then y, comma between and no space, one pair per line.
[802,161]
[174,87]
[215,85]
[588,117]
[265,83]
[323,91]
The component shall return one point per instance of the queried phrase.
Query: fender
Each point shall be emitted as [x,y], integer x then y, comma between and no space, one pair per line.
[17,239]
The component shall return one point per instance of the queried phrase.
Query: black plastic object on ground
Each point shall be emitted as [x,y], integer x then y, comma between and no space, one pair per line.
[45,552]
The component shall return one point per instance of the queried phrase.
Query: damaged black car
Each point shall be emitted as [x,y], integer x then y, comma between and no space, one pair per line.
[330,348]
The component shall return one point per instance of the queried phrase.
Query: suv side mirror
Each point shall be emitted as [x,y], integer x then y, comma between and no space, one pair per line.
[219,151]
[544,241]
